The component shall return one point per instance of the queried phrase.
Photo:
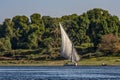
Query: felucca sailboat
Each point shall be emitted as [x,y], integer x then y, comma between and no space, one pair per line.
[67,49]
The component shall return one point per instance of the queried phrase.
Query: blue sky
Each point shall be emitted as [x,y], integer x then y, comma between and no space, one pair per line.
[54,8]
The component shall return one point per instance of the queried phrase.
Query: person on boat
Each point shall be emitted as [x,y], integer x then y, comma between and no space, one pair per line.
[75,63]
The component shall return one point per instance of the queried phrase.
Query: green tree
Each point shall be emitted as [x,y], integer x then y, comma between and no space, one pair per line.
[36,30]
[20,29]
[33,36]
[2,48]
[5,44]
[36,19]
[8,28]
[83,23]
[113,25]
[101,23]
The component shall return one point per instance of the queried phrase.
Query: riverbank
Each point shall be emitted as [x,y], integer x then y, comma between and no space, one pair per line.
[90,61]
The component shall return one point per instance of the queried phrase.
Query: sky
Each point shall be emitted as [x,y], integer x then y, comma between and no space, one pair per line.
[55,8]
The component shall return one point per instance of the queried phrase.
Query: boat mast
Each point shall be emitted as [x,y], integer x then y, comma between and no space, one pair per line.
[72,53]
[72,56]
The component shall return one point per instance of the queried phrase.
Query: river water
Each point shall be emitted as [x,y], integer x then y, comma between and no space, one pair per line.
[60,73]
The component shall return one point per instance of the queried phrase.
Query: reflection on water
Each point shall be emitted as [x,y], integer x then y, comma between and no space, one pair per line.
[60,73]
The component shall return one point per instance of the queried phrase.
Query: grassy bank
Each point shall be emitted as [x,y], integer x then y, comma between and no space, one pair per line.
[101,60]
[90,61]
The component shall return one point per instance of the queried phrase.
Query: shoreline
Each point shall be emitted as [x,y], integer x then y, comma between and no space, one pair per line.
[99,61]
[56,65]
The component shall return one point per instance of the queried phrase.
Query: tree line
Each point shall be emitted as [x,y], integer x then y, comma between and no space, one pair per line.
[88,31]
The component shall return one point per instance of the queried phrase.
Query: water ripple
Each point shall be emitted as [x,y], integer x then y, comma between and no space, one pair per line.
[60,73]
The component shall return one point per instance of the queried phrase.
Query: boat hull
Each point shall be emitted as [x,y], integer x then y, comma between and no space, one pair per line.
[69,65]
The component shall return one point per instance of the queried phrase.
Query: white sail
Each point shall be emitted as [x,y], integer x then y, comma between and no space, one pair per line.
[67,49]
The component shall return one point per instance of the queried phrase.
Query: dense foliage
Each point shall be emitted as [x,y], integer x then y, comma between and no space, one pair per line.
[42,33]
